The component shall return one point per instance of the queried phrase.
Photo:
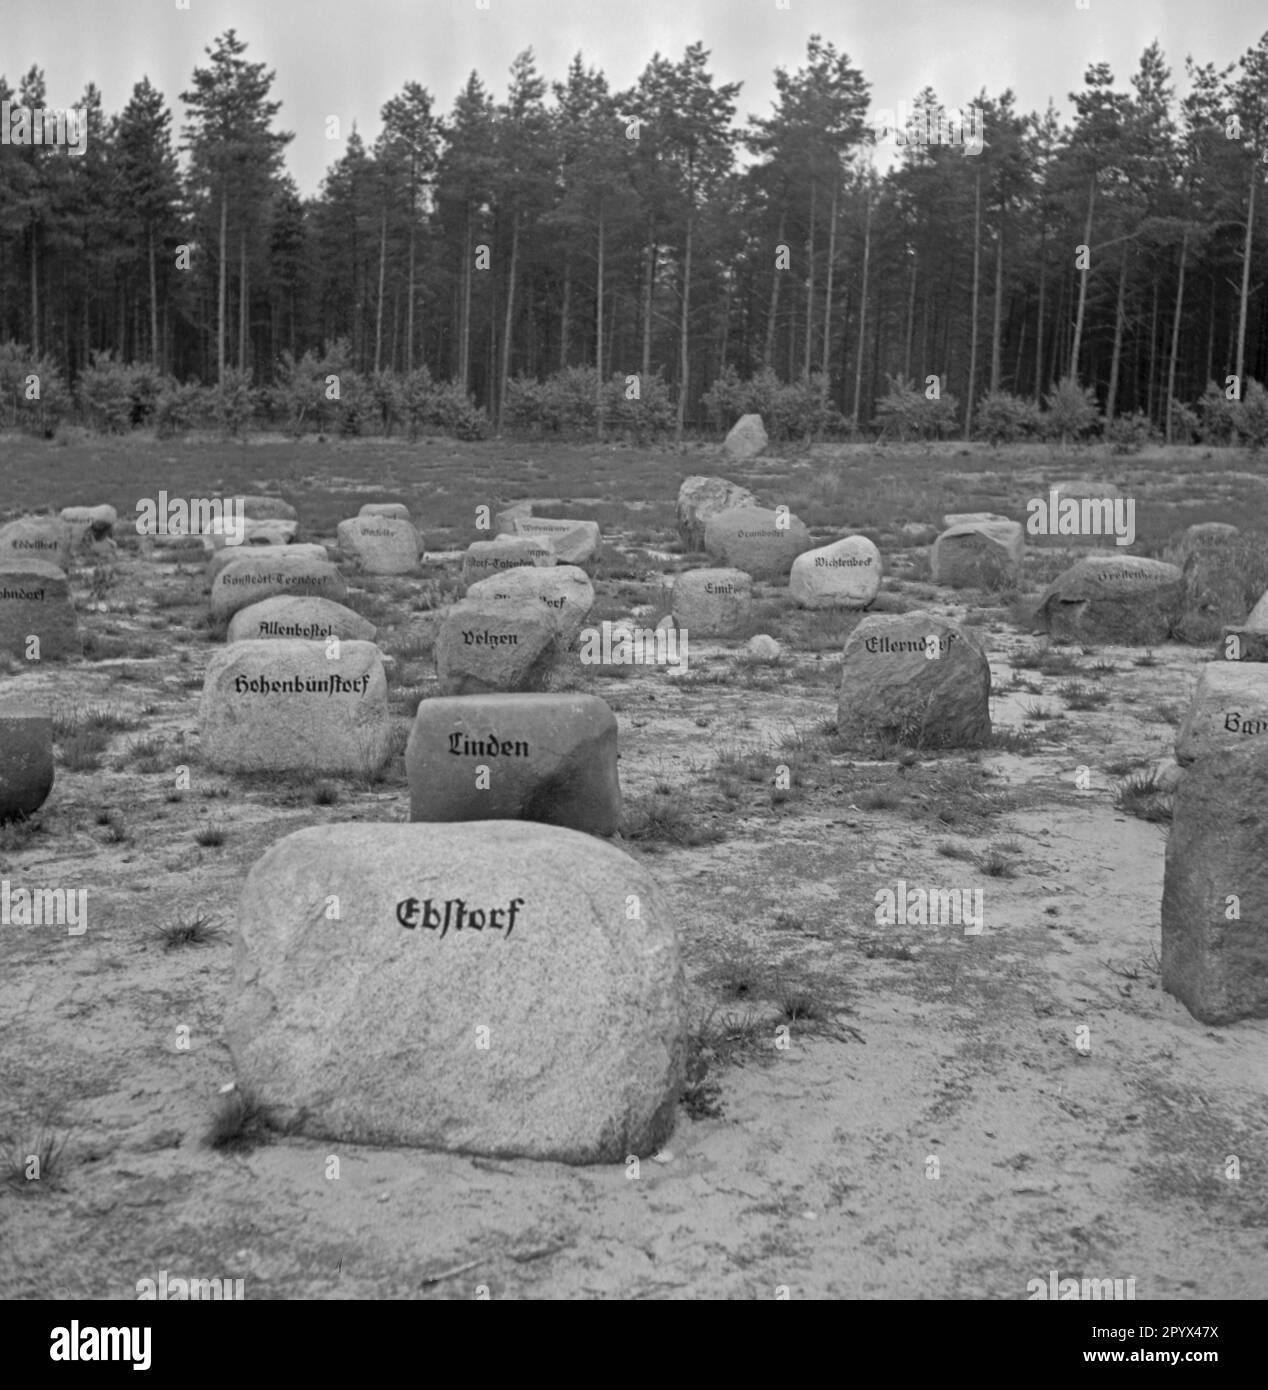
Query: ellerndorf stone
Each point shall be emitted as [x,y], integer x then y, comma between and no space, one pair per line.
[282,704]
[268,573]
[35,602]
[750,539]
[485,647]
[1229,709]
[397,510]
[305,619]
[562,592]
[1117,598]
[26,759]
[574,542]
[698,498]
[548,758]
[485,558]
[979,555]
[495,987]
[303,550]
[747,438]
[379,544]
[45,538]
[1215,890]
[894,690]
[845,574]
[709,603]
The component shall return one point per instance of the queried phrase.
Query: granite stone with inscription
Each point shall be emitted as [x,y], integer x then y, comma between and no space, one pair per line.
[486,558]
[563,592]
[979,555]
[26,758]
[1114,598]
[746,438]
[698,498]
[220,558]
[37,619]
[1215,887]
[46,538]
[260,508]
[845,574]
[271,571]
[486,646]
[304,619]
[574,542]
[1229,709]
[89,523]
[710,602]
[915,679]
[549,758]
[282,704]
[379,544]
[753,539]
[496,987]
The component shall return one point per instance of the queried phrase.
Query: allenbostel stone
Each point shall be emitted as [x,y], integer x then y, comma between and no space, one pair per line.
[398,511]
[379,544]
[845,574]
[26,759]
[549,758]
[574,542]
[301,550]
[45,538]
[751,539]
[563,592]
[1215,888]
[85,522]
[915,679]
[495,987]
[486,558]
[485,646]
[303,619]
[1229,710]
[35,604]
[280,704]
[747,438]
[1114,598]
[710,603]
[268,572]
[979,555]
[256,508]
[698,498]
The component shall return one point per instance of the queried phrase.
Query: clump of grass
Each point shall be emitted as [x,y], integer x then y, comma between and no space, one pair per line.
[1141,796]
[1148,659]
[239,1124]
[999,859]
[948,849]
[202,929]
[18,834]
[1082,697]
[667,819]
[1047,661]
[82,752]
[1168,713]
[36,1163]
[117,832]
[210,835]
[325,794]
[1009,740]
[143,756]
[1034,710]
[879,799]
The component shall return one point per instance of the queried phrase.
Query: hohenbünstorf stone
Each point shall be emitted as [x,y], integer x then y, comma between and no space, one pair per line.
[486,646]
[26,759]
[845,574]
[495,987]
[698,498]
[1229,709]
[548,758]
[563,592]
[281,704]
[37,620]
[379,544]
[709,603]
[979,555]
[268,572]
[303,619]
[1114,598]
[753,539]
[1215,888]
[915,679]
[747,438]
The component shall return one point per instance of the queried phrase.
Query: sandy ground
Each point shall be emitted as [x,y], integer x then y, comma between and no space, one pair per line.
[940,1134]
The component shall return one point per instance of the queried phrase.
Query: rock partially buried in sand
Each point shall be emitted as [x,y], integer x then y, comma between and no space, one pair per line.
[1228,710]
[1214,960]
[700,497]
[26,759]
[979,555]
[37,620]
[549,758]
[1116,598]
[914,679]
[308,550]
[574,542]
[495,987]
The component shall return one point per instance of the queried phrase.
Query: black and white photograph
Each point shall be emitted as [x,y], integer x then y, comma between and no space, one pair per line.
[630,647]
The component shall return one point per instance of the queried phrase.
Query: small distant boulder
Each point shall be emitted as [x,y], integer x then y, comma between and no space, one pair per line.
[747,438]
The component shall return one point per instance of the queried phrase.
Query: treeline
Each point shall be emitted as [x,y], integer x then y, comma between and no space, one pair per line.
[573,257]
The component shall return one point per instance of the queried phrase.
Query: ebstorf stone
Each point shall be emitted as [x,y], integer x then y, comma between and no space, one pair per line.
[563,592]
[1229,710]
[281,704]
[26,759]
[486,646]
[1113,598]
[710,603]
[269,572]
[496,988]
[35,603]
[549,758]
[845,574]
[1214,963]
[751,539]
[698,498]
[303,619]
[915,679]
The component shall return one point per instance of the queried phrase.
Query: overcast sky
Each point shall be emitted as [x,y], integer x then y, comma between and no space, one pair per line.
[347,57]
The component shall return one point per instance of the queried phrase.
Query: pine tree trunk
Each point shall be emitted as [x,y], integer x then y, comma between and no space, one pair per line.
[1078,322]
[563,314]
[243,315]
[684,373]
[154,331]
[598,330]
[1175,333]
[977,268]
[649,276]
[1244,297]
[509,322]
[378,307]
[867,256]
[911,317]
[1043,276]
[464,347]
[35,291]
[413,234]
[1153,353]
[996,337]
[768,353]
[1111,399]
[827,297]
[810,281]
